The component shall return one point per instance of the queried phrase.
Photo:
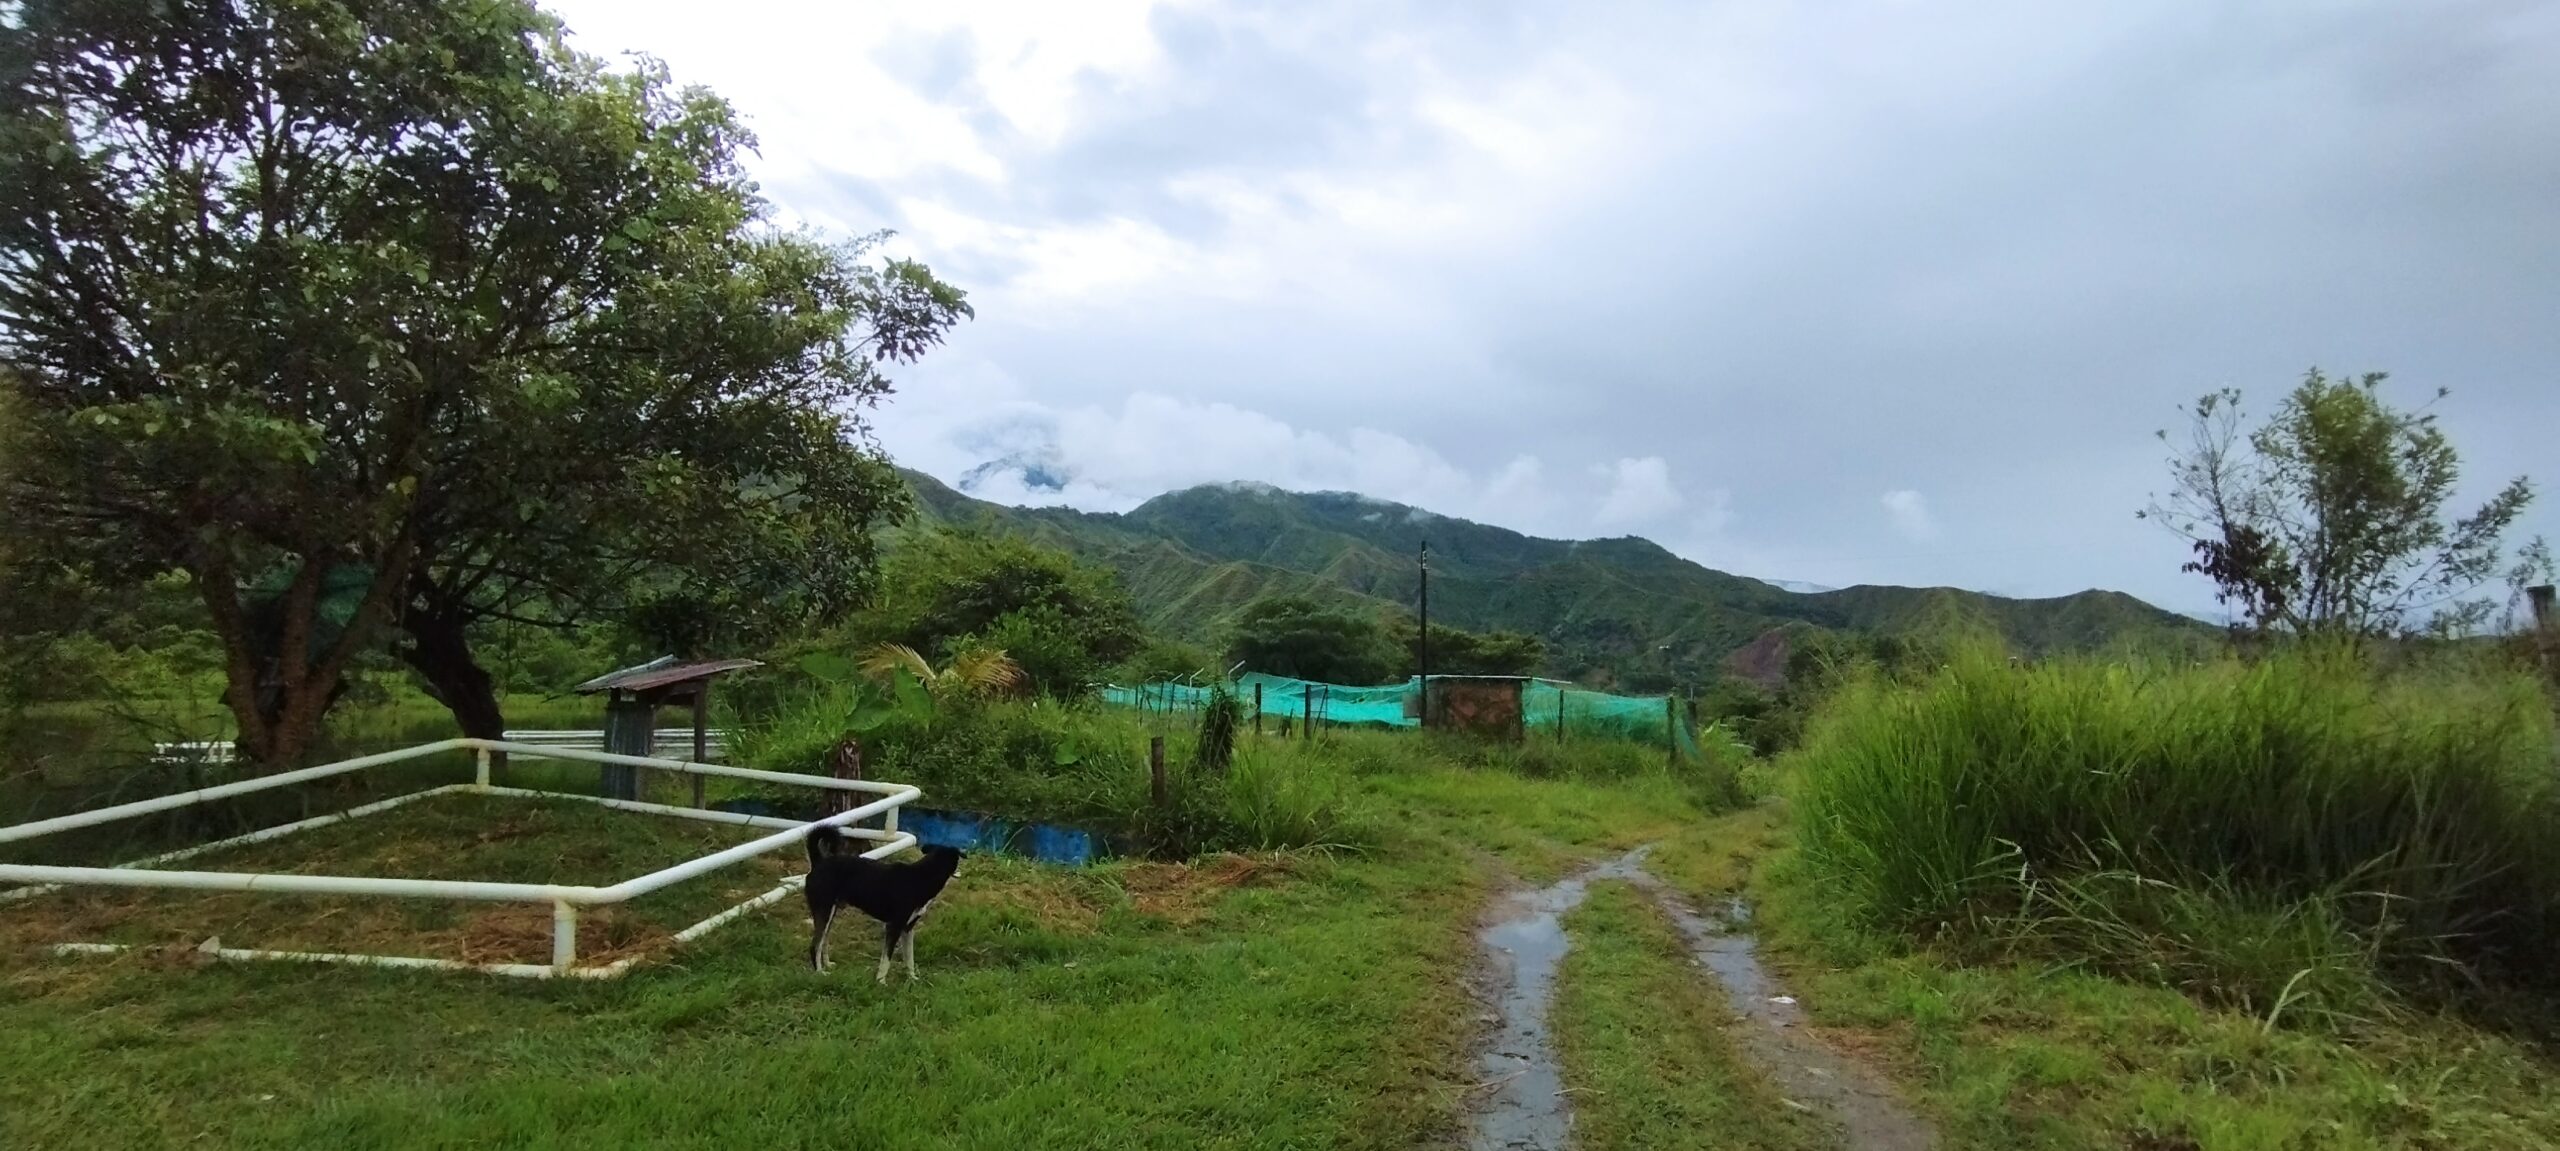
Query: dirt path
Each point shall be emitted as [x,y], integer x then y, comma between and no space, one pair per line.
[1851,1094]
[1526,1108]
[1524,947]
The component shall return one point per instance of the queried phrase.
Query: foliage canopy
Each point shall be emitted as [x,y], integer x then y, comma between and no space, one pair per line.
[409,298]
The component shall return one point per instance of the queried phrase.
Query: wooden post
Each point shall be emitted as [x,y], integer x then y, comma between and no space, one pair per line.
[1671,725]
[1257,710]
[1155,770]
[847,764]
[701,733]
[1560,715]
[630,728]
[1311,711]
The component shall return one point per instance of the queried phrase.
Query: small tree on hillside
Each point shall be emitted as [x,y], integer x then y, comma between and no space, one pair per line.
[1065,622]
[1458,652]
[1296,636]
[2329,519]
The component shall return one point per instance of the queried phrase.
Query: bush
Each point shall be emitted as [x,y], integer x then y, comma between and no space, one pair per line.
[1076,765]
[1066,622]
[2263,834]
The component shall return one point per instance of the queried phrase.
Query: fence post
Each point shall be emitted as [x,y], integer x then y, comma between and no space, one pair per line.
[1155,770]
[701,734]
[1671,725]
[847,762]
[1560,715]
[1311,711]
[564,937]
[1257,711]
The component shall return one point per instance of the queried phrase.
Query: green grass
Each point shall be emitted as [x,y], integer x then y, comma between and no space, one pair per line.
[2299,837]
[1644,1040]
[1306,998]
[1084,765]
[1274,1002]
[1296,999]
[2032,1056]
[501,839]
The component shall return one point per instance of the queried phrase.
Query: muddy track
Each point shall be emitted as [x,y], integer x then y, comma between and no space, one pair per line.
[1522,1103]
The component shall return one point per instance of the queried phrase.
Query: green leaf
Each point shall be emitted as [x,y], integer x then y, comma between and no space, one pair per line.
[828,666]
[911,696]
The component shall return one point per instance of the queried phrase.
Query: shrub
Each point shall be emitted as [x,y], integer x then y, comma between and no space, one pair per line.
[2236,829]
[1076,765]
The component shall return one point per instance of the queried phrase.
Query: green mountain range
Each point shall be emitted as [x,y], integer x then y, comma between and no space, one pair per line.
[1612,611]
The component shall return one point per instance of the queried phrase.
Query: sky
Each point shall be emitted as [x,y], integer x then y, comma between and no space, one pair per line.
[1870,291]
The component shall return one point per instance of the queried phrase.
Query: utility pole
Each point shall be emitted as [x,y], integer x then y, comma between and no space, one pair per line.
[1423,652]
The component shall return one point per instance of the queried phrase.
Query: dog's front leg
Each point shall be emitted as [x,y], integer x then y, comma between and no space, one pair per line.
[889,934]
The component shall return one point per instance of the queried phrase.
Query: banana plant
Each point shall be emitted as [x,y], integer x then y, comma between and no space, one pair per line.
[875,701]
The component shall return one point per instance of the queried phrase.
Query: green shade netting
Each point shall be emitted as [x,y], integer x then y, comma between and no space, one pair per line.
[1544,704]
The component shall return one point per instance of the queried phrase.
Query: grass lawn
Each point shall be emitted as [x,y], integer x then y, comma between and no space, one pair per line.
[1293,1000]
[1273,1000]
[455,836]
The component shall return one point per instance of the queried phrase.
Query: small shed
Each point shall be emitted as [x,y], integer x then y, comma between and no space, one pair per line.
[633,696]
[1486,705]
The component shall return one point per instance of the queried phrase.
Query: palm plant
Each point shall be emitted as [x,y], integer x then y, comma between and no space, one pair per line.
[976,673]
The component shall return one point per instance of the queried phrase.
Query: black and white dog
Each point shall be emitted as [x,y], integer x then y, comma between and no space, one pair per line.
[896,894]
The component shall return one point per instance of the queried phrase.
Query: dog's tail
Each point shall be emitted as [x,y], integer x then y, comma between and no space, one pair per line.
[819,841]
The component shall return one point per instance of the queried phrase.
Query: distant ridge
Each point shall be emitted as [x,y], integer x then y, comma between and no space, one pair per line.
[1622,611]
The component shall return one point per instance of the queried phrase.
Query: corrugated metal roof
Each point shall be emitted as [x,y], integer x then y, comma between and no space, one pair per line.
[663,671]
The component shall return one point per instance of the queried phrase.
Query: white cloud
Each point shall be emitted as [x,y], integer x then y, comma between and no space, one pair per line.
[1910,512]
[1114,457]
[1715,512]
[1454,255]
[1640,491]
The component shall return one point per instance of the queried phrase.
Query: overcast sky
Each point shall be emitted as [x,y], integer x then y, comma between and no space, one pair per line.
[1844,292]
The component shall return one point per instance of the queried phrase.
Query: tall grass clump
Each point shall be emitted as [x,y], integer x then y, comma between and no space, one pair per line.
[2298,833]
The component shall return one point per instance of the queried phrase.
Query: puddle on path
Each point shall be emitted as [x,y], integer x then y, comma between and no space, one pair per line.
[1528,1108]
[1804,1070]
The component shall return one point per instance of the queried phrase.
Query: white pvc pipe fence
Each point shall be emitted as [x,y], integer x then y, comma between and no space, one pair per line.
[563,900]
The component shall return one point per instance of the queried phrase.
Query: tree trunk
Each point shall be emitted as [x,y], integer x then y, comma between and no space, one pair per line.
[278,714]
[441,654]
[276,691]
[439,650]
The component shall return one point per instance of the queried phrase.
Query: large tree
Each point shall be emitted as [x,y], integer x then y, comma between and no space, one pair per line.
[401,314]
[1296,636]
[2330,517]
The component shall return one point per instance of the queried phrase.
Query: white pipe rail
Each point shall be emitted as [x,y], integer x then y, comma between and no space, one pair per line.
[263,834]
[224,791]
[565,900]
